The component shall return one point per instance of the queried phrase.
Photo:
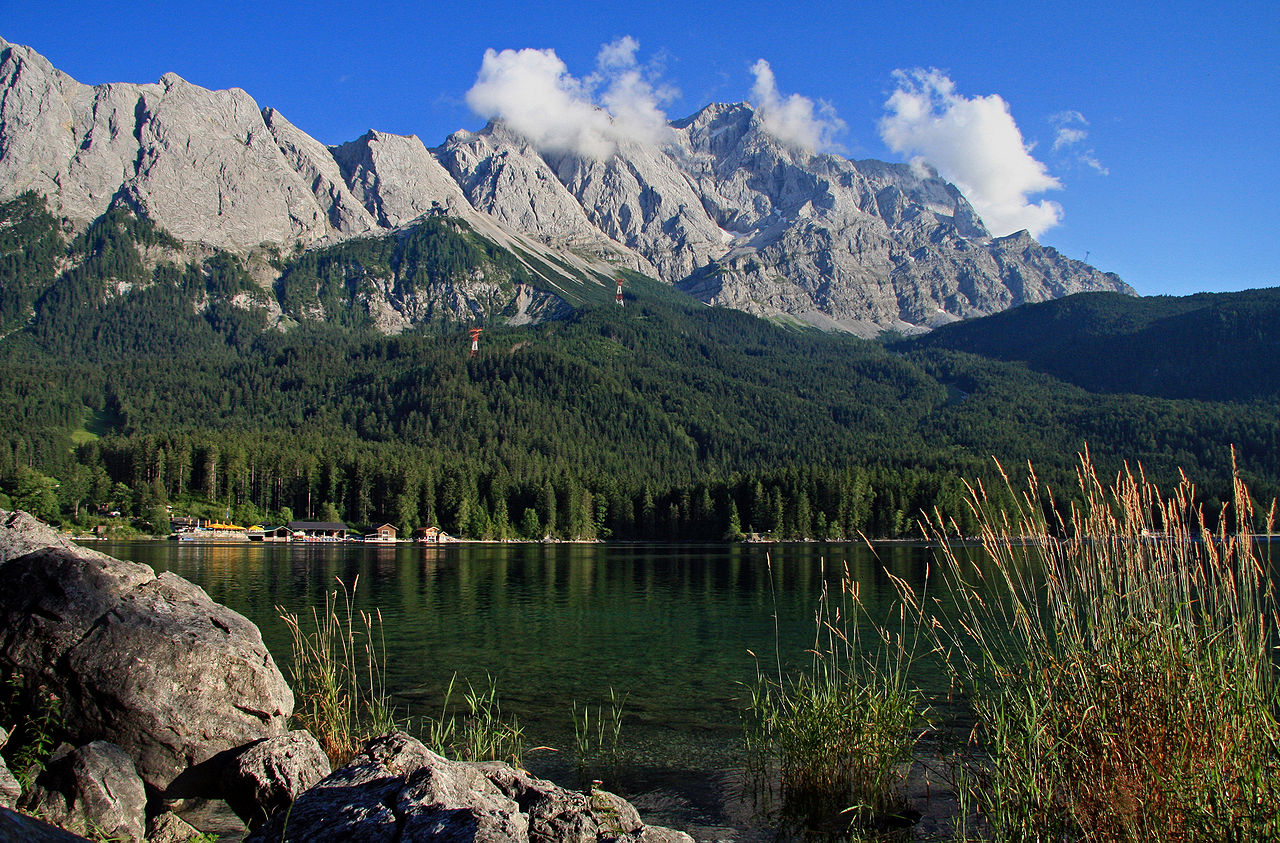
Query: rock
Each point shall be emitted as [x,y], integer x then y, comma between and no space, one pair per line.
[396,178]
[737,218]
[21,533]
[270,774]
[15,826]
[168,827]
[559,814]
[10,789]
[95,790]
[397,789]
[149,663]
[202,164]
[313,162]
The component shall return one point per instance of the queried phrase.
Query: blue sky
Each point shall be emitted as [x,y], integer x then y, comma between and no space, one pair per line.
[1160,122]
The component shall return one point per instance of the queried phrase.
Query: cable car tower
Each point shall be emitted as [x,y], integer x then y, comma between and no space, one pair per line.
[475,340]
[618,297]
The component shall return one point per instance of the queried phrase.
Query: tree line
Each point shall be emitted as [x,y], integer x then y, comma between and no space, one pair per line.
[140,378]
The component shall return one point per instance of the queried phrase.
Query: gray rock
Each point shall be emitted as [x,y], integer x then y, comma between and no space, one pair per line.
[397,789]
[311,160]
[168,827]
[15,827]
[94,790]
[149,663]
[270,774]
[203,164]
[396,178]
[21,533]
[505,178]
[739,219]
[10,789]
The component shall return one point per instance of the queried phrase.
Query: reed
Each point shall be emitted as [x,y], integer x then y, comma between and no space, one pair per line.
[597,739]
[338,686]
[829,746]
[1118,655]
[483,733]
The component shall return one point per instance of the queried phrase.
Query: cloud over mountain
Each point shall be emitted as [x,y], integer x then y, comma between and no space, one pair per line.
[533,93]
[795,120]
[975,143]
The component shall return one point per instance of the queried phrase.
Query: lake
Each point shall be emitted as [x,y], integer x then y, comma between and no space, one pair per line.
[671,627]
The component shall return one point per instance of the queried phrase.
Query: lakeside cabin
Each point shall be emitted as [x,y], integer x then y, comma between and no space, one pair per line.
[429,535]
[382,533]
[318,531]
[270,534]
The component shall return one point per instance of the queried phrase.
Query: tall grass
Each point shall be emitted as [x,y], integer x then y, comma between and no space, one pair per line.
[483,733]
[339,692]
[597,740]
[829,746]
[1118,653]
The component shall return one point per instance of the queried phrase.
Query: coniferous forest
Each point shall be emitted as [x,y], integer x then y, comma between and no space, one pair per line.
[143,377]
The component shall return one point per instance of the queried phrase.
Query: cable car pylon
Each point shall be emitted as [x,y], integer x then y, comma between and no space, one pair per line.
[475,340]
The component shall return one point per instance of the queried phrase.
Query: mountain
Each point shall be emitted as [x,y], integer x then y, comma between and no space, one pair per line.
[1210,346]
[721,209]
[135,371]
[735,217]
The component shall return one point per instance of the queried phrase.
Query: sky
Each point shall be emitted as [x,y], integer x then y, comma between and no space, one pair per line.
[1140,136]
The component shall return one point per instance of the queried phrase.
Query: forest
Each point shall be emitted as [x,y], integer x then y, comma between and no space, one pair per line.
[148,378]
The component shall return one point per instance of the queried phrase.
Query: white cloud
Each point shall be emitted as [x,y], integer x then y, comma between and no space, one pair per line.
[619,53]
[532,93]
[1070,134]
[630,95]
[975,143]
[794,120]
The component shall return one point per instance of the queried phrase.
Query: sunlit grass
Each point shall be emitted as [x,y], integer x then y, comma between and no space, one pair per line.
[829,747]
[338,659]
[1118,654]
[482,733]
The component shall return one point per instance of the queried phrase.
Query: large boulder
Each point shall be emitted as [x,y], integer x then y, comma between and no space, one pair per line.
[146,662]
[268,775]
[21,533]
[397,789]
[94,790]
[15,826]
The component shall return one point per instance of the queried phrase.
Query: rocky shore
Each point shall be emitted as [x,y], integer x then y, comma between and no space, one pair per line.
[159,699]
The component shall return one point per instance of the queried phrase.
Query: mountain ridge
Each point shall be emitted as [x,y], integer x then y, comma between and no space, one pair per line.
[724,211]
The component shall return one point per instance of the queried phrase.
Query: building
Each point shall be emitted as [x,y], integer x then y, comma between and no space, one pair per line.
[382,533]
[318,531]
[431,535]
[270,534]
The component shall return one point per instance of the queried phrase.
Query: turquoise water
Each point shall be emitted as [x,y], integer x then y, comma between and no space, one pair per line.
[671,627]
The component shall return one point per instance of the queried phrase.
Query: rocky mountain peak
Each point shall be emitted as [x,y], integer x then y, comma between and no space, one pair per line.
[724,209]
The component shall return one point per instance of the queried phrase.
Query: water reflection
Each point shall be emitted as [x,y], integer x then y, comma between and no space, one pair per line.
[670,626]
